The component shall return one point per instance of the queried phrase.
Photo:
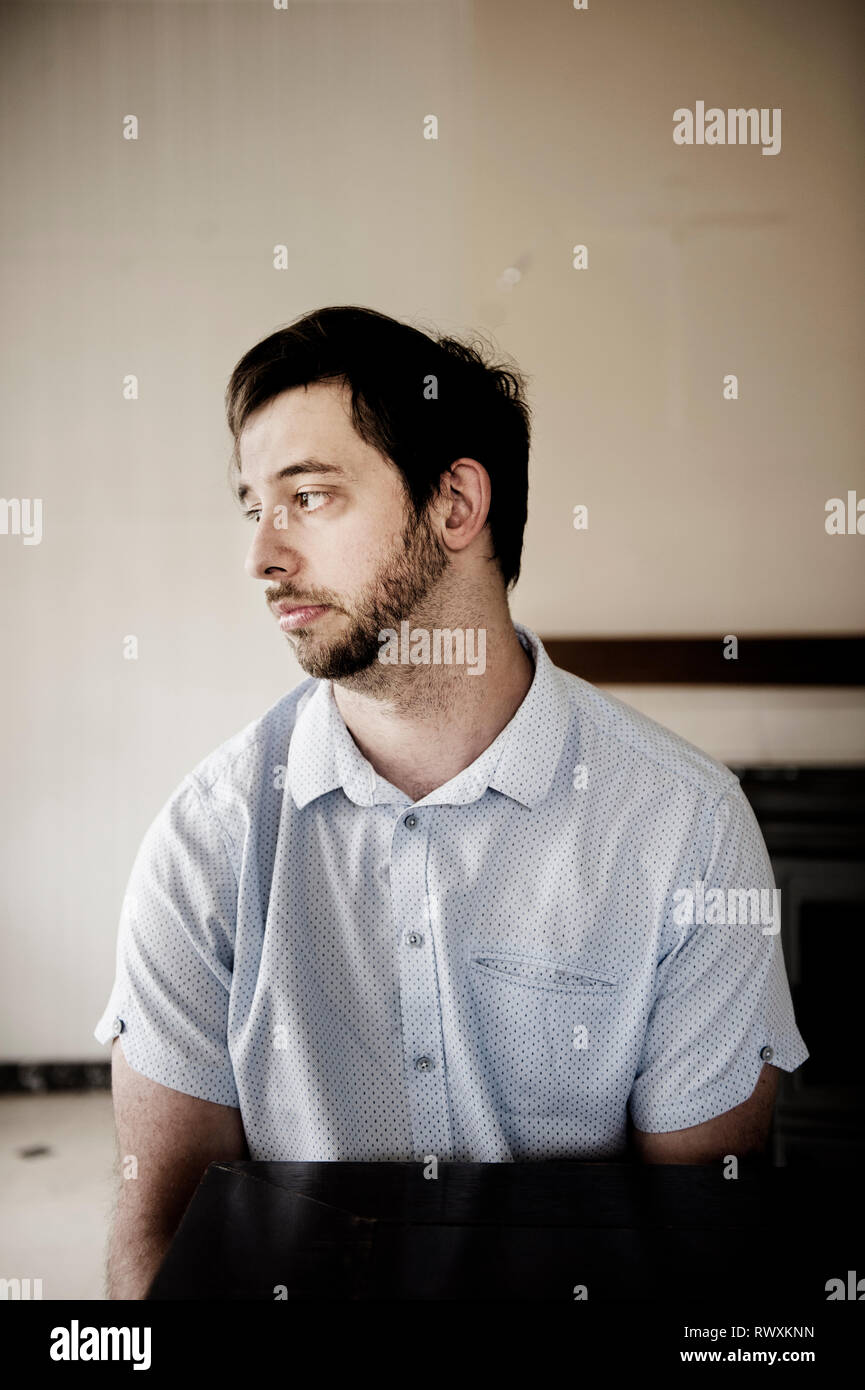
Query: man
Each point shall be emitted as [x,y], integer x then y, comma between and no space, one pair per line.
[431,903]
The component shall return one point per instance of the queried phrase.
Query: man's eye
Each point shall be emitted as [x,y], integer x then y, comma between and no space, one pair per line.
[306,501]
[318,504]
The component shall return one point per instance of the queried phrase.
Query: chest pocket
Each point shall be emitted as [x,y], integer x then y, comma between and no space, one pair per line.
[545,1030]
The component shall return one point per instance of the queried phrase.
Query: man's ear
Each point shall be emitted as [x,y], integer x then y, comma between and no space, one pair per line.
[466,494]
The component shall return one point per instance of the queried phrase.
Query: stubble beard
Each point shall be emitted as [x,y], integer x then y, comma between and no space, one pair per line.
[404,581]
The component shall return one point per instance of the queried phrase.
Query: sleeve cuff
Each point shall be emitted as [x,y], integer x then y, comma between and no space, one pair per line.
[158,1063]
[666,1111]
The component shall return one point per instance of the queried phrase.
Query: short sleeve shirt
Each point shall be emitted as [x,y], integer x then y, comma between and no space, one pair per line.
[580,927]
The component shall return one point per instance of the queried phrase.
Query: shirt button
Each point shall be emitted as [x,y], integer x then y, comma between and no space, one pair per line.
[424,1063]
[767,1053]
[117,1027]
[414,938]
[410,821]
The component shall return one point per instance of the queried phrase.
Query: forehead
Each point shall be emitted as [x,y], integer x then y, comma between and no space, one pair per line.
[307,431]
[294,421]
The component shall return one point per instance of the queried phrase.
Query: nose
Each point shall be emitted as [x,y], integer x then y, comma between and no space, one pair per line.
[270,552]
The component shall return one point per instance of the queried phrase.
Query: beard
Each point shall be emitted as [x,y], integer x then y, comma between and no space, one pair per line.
[403,582]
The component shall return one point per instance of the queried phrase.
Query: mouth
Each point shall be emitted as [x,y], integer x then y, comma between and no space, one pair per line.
[291,615]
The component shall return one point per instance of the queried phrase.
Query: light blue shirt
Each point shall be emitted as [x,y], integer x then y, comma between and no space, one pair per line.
[499,971]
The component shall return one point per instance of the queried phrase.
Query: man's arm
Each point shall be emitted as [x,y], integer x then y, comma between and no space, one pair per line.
[742,1131]
[173,1137]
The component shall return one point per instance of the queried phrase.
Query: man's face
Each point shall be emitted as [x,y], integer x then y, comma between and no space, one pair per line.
[334,534]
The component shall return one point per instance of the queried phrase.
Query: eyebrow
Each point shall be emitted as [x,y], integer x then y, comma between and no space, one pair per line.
[293,470]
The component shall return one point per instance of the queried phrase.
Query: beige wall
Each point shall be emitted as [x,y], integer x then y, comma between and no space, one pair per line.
[305,127]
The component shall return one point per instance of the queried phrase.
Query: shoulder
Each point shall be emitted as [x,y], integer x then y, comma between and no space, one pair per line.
[230,766]
[230,790]
[621,736]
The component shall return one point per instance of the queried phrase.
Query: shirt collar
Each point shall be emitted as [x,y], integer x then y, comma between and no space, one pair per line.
[520,762]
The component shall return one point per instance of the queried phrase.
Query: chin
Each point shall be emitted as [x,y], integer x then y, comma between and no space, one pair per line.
[333,661]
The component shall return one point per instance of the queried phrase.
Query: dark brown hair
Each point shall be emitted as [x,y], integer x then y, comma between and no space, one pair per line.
[478,409]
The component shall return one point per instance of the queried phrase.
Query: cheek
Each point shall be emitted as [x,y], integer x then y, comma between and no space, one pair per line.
[356,548]
[344,557]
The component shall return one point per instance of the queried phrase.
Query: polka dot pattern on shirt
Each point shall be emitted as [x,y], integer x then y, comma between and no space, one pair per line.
[495,972]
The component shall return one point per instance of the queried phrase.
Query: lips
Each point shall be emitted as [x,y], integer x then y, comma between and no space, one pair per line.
[292,615]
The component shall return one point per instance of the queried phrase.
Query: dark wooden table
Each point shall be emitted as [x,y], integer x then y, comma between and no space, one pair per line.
[520,1231]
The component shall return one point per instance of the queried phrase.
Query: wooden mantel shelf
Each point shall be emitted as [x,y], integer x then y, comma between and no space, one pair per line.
[701,660]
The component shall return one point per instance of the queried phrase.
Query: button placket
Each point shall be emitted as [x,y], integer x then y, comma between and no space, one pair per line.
[418,989]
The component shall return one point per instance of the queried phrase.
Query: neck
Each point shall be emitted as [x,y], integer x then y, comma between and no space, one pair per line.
[421,725]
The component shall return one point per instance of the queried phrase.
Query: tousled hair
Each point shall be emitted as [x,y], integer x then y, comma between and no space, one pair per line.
[477,408]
